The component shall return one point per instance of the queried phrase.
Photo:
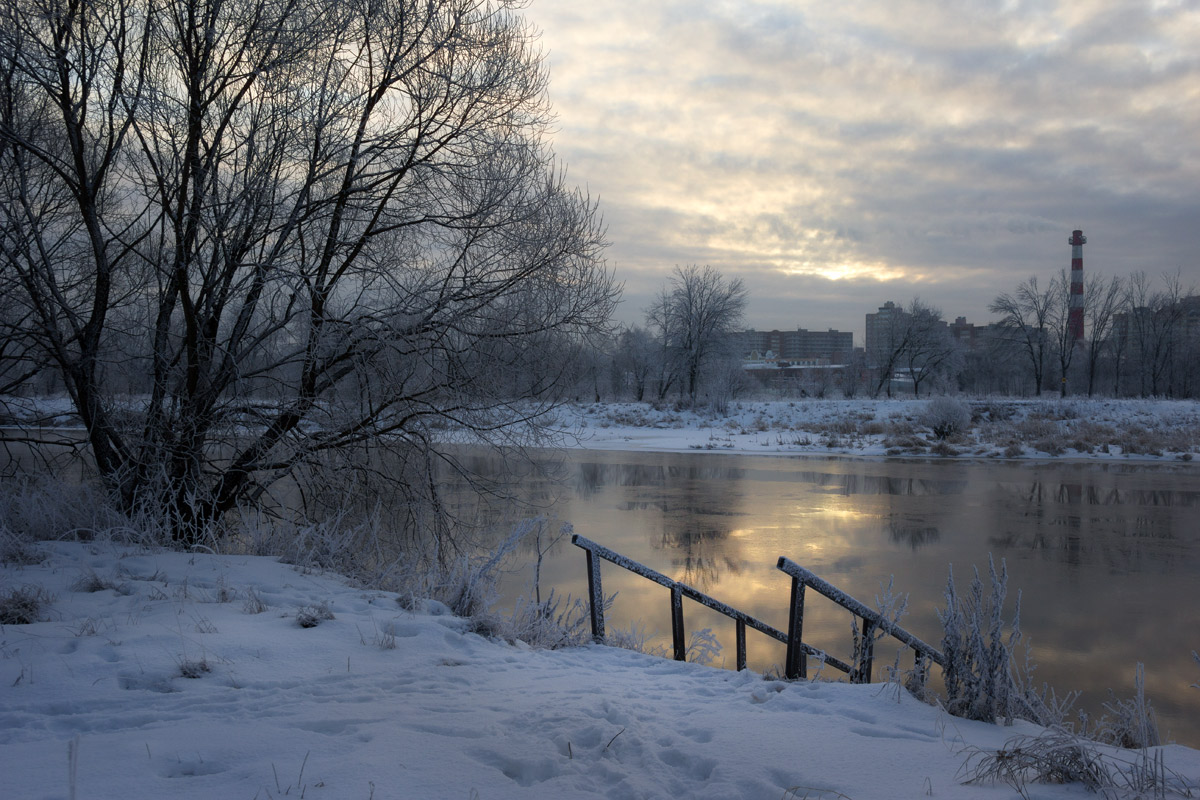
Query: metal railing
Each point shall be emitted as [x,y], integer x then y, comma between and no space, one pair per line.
[795,663]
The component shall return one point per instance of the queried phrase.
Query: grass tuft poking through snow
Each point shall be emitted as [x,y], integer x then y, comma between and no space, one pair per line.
[313,614]
[1059,756]
[23,605]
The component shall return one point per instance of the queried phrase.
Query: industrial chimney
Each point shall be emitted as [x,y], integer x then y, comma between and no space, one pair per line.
[1075,315]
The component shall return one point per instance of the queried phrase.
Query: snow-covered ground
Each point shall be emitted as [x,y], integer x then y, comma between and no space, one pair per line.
[1076,428]
[164,674]
[1032,428]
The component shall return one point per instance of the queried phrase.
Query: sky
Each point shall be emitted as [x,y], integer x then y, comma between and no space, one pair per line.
[837,155]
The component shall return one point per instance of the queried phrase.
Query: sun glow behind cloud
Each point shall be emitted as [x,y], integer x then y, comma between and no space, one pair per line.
[903,147]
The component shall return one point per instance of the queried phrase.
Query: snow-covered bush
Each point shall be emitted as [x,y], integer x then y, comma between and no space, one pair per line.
[312,615]
[703,647]
[42,507]
[552,624]
[946,416]
[978,671]
[1129,723]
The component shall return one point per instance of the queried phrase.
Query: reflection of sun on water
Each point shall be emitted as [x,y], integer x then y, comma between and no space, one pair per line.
[720,525]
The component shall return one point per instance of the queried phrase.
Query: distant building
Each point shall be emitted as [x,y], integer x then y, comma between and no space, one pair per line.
[968,335]
[799,346]
[882,327]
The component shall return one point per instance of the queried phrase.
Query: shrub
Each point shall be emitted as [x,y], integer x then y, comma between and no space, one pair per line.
[43,508]
[17,550]
[550,625]
[978,674]
[1060,756]
[253,604]
[23,605]
[311,616]
[946,416]
[1129,723]
[194,669]
[941,448]
[1051,445]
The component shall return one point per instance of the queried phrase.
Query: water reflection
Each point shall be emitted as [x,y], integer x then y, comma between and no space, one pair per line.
[1106,557]
[915,533]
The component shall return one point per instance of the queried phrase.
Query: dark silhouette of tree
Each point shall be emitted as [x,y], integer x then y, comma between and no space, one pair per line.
[304,229]
[1025,317]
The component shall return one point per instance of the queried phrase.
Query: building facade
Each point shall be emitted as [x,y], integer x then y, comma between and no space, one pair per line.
[798,346]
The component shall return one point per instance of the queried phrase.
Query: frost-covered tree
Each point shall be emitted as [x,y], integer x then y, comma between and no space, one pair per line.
[304,230]
[694,316]
[635,359]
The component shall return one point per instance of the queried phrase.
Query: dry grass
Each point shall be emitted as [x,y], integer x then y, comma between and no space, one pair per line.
[253,604]
[314,614]
[23,605]
[193,669]
[1058,756]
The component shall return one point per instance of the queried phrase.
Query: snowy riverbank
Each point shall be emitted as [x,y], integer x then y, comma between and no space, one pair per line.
[1077,428]
[381,702]
[1073,428]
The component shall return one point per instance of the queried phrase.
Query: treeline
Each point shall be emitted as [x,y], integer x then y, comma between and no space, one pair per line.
[1141,338]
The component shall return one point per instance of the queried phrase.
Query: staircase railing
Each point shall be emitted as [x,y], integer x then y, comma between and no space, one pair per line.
[795,662]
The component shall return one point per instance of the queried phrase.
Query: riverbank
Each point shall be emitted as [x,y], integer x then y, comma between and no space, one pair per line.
[1076,428]
[994,427]
[156,674]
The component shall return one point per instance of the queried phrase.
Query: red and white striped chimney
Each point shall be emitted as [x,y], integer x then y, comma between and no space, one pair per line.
[1075,315]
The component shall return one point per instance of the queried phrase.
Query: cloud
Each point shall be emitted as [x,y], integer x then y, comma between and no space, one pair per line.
[942,149]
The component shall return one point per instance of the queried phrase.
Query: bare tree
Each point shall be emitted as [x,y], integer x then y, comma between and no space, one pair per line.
[635,359]
[1026,315]
[887,342]
[1060,329]
[1153,319]
[695,315]
[314,228]
[1102,301]
[915,338]
[931,348]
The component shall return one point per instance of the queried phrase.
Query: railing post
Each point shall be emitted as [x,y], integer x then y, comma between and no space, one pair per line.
[595,596]
[796,665]
[677,623]
[741,645]
[866,658]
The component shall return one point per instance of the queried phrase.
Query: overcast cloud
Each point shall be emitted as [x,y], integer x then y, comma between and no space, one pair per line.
[839,154]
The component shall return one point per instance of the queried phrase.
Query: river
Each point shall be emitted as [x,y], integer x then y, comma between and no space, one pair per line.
[1106,558]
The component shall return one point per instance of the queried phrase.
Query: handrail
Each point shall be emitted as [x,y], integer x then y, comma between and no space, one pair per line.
[596,551]
[789,567]
[795,664]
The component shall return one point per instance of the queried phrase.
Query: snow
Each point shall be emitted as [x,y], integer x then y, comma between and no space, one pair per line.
[384,702]
[1141,429]
[1115,429]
